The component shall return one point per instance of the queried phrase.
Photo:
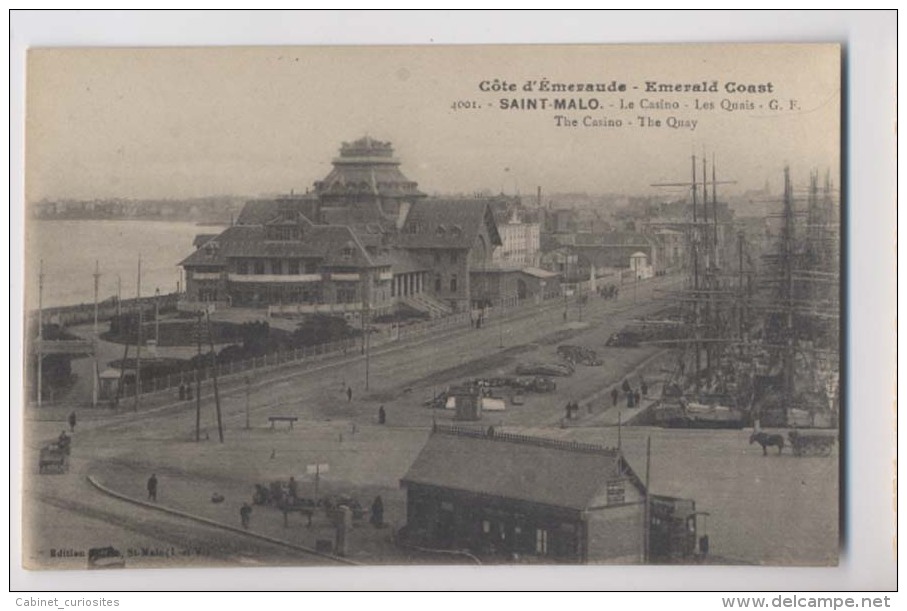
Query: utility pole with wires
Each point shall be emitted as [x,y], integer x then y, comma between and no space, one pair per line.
[220,425]
[94,382]
[40,328]
[198,379]
[138,342]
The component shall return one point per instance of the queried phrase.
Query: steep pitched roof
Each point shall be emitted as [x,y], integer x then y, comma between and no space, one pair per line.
[326,242]
[444,223]
[532,469]
[258,212]
[202,238]
[262,211]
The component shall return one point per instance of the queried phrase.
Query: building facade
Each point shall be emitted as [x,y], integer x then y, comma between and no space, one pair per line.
[363,241]
[520,242]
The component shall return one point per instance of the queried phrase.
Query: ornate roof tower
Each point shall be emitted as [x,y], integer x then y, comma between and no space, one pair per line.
[366,185]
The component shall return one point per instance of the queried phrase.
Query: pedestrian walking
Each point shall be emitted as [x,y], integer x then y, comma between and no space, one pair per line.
[292,488]
[382,415]
[629,399]
[636,398]
[645,388]
[245,515]
[377,518]
[72,422]
[615,395]
[152,487]
[625,386]
[349,394]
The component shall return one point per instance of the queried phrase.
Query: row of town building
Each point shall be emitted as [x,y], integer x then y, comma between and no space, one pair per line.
[367,239]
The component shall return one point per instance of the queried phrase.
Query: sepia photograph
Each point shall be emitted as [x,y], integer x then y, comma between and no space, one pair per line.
[448,306]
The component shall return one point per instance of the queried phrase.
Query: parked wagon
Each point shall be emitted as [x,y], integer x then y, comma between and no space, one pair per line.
[579,354]
[52,459]
[816,444]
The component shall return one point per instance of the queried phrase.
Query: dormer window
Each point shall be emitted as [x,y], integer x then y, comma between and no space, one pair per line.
[346,252]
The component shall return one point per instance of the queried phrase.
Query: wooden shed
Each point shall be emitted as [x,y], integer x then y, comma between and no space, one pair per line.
[520,498]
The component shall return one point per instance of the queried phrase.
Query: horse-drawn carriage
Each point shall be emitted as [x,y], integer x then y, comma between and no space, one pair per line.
[53,457]
[816,444]
[802,444]
[281,495]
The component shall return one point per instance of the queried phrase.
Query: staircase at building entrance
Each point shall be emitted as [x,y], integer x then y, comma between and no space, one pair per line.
[426,303]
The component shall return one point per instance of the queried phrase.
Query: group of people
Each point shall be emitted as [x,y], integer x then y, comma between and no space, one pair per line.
[185,392]
[608,292]
[376,517]
[634,397]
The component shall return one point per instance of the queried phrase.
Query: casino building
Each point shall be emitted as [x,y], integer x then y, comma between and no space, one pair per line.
[364,239]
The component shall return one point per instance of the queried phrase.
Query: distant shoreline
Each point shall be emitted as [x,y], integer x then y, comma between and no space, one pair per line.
[198,223]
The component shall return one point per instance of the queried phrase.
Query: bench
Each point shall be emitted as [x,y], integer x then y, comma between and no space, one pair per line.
[290,419]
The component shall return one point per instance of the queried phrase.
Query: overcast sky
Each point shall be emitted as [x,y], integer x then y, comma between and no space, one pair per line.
[185,123]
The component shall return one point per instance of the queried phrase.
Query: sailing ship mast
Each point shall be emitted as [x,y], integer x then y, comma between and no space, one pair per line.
[704,295]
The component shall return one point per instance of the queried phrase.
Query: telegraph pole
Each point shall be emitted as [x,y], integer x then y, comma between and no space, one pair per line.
[220,426]
[97,277]
[138,343]
[94,384]
[198,380]
[40,327]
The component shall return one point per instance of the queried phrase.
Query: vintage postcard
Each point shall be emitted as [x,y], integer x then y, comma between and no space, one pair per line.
[479,305]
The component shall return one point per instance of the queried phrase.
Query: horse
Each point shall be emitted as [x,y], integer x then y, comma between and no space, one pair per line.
[765,440]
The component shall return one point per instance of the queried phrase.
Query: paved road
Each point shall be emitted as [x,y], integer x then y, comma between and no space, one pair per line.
[64,511]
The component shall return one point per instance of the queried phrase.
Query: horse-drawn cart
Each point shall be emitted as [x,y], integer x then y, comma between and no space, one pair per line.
[53,458]
[815,444]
